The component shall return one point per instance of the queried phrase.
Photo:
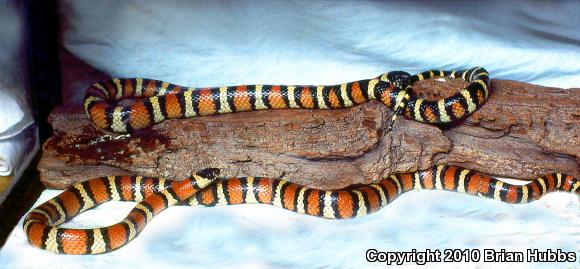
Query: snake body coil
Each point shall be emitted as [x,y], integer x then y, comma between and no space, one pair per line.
[156,101]
[155,195]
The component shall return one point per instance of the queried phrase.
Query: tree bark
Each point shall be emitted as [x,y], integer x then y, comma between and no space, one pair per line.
[522,131]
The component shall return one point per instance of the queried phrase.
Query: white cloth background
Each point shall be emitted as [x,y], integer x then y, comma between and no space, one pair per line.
[262,236]
[15,154]
[15,114]
[12,95]
[215,43]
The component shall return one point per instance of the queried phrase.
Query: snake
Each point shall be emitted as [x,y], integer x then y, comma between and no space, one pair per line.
[206,189]
[152,101]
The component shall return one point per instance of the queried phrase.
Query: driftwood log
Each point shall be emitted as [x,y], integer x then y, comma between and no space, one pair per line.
[523,131]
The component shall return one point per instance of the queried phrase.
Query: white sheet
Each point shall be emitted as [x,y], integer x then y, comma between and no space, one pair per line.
[14,110]
[15,115]
[16,151]
[11,114]
[262,236]
[213,43]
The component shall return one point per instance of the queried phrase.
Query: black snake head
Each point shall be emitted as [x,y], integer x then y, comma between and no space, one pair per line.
[209,173]
[400,79]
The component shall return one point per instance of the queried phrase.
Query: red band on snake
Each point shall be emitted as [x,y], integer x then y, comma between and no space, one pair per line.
[154,195]
[155,101]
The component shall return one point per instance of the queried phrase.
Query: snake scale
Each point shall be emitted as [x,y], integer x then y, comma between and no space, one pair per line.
[155,194]
[154,101]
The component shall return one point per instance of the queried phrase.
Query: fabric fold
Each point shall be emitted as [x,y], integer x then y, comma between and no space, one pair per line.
[16,150]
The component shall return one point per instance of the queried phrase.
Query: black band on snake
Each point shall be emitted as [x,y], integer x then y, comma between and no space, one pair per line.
[155,195]
[155,101]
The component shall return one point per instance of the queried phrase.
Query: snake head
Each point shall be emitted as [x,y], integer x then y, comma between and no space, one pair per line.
[209,173]
[400,79]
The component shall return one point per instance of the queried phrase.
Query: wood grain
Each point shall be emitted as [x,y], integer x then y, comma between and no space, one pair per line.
[523,131]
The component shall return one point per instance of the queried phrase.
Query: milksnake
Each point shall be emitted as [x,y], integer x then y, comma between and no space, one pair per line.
[155,194]
[155,101]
